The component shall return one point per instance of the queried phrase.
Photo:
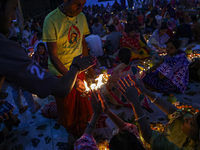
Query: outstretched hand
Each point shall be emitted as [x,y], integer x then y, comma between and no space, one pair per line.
[126,87]
[138,84]
[84,62]
[105,107]
[96,104]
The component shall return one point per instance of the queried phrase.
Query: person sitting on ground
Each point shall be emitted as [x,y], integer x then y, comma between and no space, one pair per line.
[132,22]
[184,30]
[158,18]
[187,17]
[196,29]
[140,18]
[95,44]
[41,56]
[171,11]
[119,27]
[127,138]
[179,14]
[100,19]
[182,130]
[170,21]
[171,74]
[151,23]
[112,39]
[194,70]
[132,41]
[39,36]
[26,33]
[125,68]
[97,28]
[159,38]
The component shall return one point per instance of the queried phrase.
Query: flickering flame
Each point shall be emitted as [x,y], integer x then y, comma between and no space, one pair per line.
[87,89]
[95,86]
[99,81]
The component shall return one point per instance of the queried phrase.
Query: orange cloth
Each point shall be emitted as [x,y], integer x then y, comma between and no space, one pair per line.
[74,111]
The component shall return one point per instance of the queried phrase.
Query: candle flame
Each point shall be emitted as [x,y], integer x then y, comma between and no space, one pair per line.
[95,86]
[99,81]
[87,89]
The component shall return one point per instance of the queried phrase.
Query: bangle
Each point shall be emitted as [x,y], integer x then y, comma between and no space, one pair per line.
[154,99]
[140,117]
[91,126]
[75,66]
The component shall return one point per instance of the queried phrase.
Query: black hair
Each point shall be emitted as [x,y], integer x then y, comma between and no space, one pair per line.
[111,28]
[182,20]
[39,35]
[175,42]
[163,26]
[129,18]
[194,18]
[125,140]
[3,5]
[26,27]
[138,12]
[151,15]
[167,14]
[41,44]
[124,55]
[130,28]
[95,20]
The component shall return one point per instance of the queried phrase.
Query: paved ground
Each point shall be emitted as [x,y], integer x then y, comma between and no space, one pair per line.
[38,133]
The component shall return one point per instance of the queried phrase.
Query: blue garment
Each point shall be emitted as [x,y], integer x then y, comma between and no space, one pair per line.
[98,30]
[156,39]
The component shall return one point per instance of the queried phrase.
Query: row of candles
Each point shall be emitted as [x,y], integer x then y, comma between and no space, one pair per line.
[191,56]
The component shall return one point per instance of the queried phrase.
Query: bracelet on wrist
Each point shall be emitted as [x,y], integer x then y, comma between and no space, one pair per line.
[154,99]
[75,65]
[140,117]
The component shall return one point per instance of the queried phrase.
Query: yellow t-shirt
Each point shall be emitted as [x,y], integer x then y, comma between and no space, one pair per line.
[68,33]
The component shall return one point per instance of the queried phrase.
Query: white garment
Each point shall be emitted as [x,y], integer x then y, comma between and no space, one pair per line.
[26,34]
[35,46]
[95,44]
[159,20]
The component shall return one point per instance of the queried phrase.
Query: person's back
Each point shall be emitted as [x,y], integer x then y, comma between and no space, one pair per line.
[184,30]
[97,28]
[113,39]
[95,44]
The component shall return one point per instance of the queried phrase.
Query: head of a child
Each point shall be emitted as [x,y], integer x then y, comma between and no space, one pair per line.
[95,21]
[131,31]
[172,46]
[167,16]
[112,28]
[163,29]
[41,48]
[124,55]
[125,140]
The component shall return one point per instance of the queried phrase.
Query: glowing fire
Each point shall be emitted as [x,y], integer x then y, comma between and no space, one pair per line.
[87,89]
[97,85]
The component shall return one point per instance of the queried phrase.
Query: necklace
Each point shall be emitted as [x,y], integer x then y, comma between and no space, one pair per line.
[61,7]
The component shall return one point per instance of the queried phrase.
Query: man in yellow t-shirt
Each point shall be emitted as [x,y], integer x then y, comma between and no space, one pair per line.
[64,31]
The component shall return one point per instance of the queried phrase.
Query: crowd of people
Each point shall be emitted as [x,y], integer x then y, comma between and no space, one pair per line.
[50,57]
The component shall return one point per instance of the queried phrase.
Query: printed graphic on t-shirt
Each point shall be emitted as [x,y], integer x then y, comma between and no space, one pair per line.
[74,37]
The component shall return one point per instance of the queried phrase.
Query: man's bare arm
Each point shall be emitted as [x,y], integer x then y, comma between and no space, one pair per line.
[52,49]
